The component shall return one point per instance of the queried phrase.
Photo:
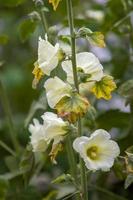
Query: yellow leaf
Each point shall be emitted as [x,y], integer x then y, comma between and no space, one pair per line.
[56,148]
[104,87]
[55,3]
[71,108]
[38,74]
[97,38]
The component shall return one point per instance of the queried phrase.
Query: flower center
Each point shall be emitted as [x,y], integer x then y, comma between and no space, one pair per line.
[92,152]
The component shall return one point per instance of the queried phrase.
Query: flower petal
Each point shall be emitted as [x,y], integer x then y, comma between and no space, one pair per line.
[56,89]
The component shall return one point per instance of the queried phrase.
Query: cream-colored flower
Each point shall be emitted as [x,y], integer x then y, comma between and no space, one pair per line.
[88,64]
[47,56]
[56,89]
[37,138]
[52,128]
[98,151]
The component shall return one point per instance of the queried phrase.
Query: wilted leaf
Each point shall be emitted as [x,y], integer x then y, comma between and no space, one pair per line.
[72,107]
[104,87]
[26,28]
[56,148]
[55,3]
[128,181]
[95,38]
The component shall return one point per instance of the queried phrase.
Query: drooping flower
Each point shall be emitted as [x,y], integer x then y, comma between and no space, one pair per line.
[55,3]
[37,138]
[56,89]
[68,103]
[88,67]
[48,56]
[104,87]
[98,151]
[52,128]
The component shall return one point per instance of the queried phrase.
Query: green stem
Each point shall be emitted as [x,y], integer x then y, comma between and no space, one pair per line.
[44,22]
[72,33]
[72,162]
[40,7]
[71,159]
[75,76]
[6,107]
[2,144]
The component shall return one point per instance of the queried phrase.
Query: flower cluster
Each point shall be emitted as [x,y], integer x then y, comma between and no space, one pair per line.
[97,151]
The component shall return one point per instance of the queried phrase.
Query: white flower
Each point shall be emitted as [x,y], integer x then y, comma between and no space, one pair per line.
[53,128]
[97,151]
[86,62]
[37,138]
[56,89]
[47,56]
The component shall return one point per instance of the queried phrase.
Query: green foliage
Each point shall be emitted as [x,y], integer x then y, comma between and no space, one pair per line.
[4,39]
[12,3]
[128,181]
[26,28]
[3,188]
[113,118]
[114,19]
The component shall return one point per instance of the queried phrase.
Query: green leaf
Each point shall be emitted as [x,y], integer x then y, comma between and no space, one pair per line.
[129,153]
[40,104]
[119,168]
[27,161]
[126,90]
[113,118]
[12,3]
[26,28]
[63,178]
[4,39]
[11,163]
[128,181]
[52,195]
[3,189]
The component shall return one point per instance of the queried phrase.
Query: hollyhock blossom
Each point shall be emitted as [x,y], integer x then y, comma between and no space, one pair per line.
[98,151]
[87,64]
[37,137]
[52,128]
[56,89]
[48,56]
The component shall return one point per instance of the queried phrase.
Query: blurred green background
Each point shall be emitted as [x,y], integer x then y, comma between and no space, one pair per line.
[20,27]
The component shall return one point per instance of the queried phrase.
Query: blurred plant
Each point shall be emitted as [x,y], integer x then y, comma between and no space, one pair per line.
[71,75]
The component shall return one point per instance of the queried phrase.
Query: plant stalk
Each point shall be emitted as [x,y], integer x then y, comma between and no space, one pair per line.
[75,76]
[6,107]
[44,22]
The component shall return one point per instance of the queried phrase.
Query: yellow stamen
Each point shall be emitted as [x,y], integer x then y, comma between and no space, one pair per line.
[92,152]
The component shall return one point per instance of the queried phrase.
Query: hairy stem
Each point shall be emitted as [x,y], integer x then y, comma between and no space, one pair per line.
[6,107]
[75,76]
